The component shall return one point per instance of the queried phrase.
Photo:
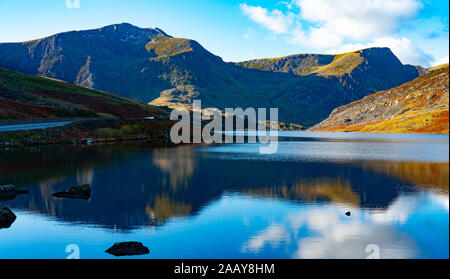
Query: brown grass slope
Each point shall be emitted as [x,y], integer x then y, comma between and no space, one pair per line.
[418,106]
[24,96]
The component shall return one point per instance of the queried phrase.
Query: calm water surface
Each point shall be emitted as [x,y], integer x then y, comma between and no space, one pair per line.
[229,201]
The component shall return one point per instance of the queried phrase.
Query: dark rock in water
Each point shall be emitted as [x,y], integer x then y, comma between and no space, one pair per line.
[75,192]
[348,213]
[128,249]
[7,189]
[10,192]
[7,217]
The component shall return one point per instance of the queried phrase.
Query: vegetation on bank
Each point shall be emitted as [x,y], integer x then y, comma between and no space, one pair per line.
[289,127]
[124,131]
[91,131]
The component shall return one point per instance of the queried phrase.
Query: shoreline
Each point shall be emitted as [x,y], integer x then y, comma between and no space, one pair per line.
[90,132]
[380,132]
[114,130]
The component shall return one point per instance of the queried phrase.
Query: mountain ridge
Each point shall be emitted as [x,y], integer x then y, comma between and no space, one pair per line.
[153,67]
[345,67]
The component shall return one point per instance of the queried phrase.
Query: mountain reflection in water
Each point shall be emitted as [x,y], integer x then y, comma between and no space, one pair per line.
[139,186]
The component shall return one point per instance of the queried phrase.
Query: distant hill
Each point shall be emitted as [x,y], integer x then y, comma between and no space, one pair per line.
[151,66]
[419,106]
[25,96]
[359,72]
[438,67]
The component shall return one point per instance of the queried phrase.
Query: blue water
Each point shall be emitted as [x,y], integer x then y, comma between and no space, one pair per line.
[229,201]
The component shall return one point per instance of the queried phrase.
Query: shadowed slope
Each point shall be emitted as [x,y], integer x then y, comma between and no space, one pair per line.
[360,72]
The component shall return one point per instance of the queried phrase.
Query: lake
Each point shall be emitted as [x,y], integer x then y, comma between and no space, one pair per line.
[229,201]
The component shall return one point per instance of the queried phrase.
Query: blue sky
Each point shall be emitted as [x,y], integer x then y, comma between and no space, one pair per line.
[236,30]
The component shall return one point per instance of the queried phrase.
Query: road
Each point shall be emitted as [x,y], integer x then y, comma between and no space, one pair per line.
[35,126]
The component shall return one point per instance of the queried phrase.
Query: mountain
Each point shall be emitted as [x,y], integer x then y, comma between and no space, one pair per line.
[419,106]
[359,72]
[25,96]
[149,65]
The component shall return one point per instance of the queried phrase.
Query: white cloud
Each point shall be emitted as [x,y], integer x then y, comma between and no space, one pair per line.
[440,61]
[288,5]
[326,24]
[318,38]
[249,34]
[403,48]
[275,21]
[357,19]
[273,235]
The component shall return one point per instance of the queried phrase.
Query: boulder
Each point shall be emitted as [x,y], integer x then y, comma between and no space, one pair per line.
[10,191]
[75,192]
[7,217]
[128,249]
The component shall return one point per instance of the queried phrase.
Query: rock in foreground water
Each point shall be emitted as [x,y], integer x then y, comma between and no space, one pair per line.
[7,217]
[75,192]
[10,191]
[128,249]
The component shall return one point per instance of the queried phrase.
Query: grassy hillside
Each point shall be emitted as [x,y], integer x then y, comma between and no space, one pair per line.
[25,97]
[419,106]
